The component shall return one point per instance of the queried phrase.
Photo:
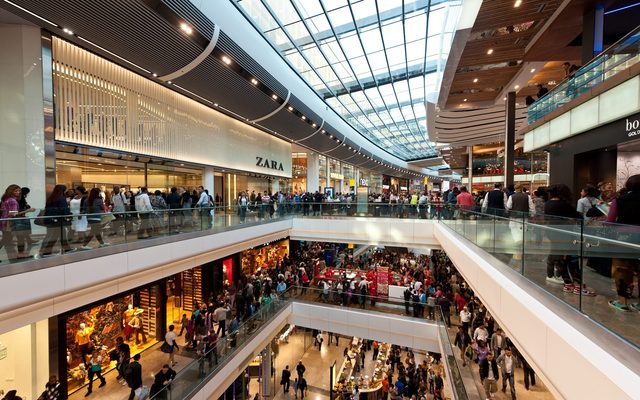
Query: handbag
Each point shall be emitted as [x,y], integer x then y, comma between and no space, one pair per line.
[40,219]
[142,392]
[166,348]
[106,218]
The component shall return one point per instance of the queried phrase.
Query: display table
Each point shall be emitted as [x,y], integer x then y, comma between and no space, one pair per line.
[371,385]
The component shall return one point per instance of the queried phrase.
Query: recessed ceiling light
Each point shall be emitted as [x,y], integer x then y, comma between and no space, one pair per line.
[323,131]
[67,31]
[215,104]
[516,87]
[532,70]
[490,51]
[254,81]
[303,117]
[226,60]
[475,80]
[313,125]
[186,28]
[517,3]
[155,75]
[504,98]
[290,108]
[330,136]
[169,82]
[274,96]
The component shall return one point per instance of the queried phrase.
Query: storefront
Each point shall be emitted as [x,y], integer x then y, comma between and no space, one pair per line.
[138,317]
[264,257]
[176,141]
[604,157]
[299,172]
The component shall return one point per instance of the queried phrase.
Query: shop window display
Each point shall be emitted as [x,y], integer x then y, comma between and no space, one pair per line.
[132,317]
[265,257]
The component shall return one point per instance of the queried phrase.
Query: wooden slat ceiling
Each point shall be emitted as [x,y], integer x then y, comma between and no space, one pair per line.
[490,31]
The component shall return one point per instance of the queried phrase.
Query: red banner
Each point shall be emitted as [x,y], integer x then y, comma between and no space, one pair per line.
[383,281]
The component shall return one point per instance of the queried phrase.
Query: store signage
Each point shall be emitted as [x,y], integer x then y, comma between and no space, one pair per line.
[632,127]
[335,175]
[364,182]
[403,188]
[352,182]
[270,164]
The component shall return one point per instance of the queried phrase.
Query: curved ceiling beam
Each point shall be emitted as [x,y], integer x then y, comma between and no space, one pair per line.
[196,61]
[272,113]
[307,137]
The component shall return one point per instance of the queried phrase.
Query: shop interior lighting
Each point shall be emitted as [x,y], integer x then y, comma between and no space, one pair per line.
[274,96]
[532,70]
[226,60]
[490,51]
[475,80]
[290,108]
[155,75]
[303,118]
[184,27]
[464,100]
[516,87]
[313,125]
[67,31]
[113,54]
[517,3]
[254,81]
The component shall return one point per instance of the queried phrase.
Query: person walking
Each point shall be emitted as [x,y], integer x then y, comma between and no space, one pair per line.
[300,368]
[220,314]
[489,375]
[56,217]
[134,376]
[95,369]
[302,387]
[144,208]
[319,340]
[10,209]
[170,339]
[285,381]
[507,363]
[94,208]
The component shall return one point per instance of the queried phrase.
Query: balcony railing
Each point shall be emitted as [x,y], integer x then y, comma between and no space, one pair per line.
[617,58]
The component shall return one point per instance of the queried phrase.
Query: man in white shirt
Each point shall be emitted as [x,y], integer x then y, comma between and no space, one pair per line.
[507,363]
[465,318]
[170,339]
[481,333]
[220,314]
[143,207]
[204,204]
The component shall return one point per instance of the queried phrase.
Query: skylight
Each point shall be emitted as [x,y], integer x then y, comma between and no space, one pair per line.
[374,62]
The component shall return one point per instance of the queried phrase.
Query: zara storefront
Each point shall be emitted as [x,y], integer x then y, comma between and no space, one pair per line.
[113,126]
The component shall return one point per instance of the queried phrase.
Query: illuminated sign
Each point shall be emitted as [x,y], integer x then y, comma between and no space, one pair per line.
[335,175]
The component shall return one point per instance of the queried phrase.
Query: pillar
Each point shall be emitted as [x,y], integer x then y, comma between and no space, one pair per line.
[208,180]
[592,33]
[470,168]
[509,139]
[22,116]
[313,172]
[266,382]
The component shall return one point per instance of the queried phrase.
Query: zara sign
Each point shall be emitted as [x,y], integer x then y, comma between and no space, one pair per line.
[270,164]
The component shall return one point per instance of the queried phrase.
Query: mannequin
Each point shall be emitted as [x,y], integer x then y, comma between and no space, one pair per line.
[136,324]
[83,340]
[126,317]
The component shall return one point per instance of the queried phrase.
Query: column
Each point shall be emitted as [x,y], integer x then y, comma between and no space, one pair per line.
[592,32]
[22,136]
[208,181]
[266,383]
[509,138]
[313,173]
[470,168]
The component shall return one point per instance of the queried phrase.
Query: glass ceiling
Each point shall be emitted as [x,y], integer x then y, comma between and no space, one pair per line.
[374,62]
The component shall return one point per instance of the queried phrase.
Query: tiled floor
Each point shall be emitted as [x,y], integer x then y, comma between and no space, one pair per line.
[151,361]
